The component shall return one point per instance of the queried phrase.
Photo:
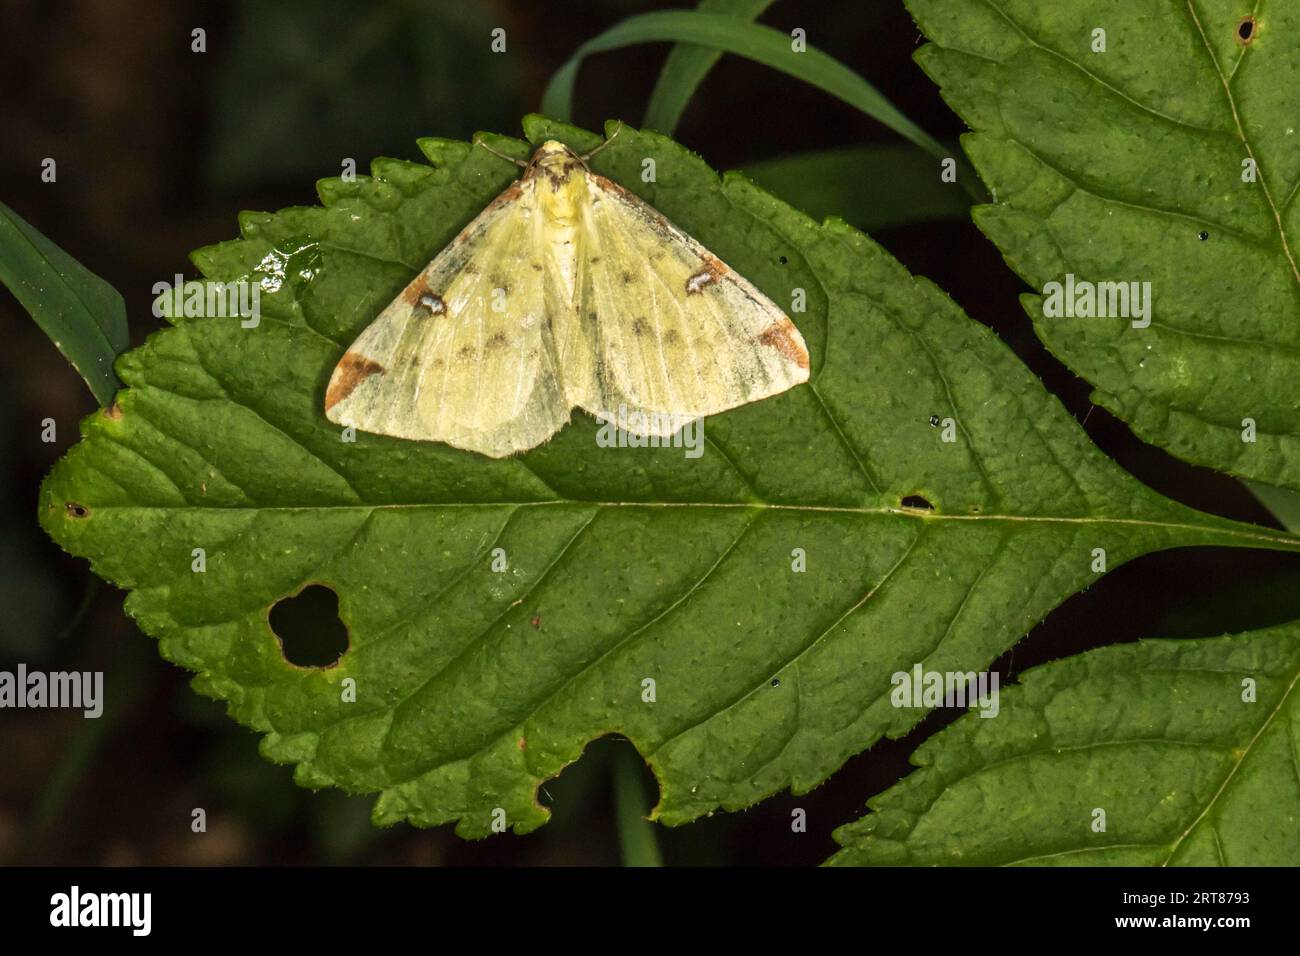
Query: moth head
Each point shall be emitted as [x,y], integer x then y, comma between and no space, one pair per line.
[554,155]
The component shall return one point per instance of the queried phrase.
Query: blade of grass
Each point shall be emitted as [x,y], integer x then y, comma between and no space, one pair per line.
[870,187]
[755,42]
[687,66]
[1284,503]
[83,315]
[636,835]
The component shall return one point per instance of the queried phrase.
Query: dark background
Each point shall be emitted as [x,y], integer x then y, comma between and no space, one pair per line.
[158,148]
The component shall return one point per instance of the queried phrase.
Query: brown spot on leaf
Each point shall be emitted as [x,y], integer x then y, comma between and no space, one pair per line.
[1246,30]
[352,370]
[536,622]
[780,335]
[76,510]
[113,412]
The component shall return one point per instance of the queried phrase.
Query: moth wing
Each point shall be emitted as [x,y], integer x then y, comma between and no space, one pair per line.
[675,333]
[464,355]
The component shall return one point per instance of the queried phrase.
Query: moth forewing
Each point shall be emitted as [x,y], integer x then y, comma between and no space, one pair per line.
[677,331]
[463,354]
[566,291]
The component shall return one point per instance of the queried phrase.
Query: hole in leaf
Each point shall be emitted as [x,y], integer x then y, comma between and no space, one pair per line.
[917,502]
[784,260]
[1246,30]
[76,510]
[1202,235]
[308,627]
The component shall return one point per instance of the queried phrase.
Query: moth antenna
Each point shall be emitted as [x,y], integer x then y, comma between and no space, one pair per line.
[509,159]
[588,156]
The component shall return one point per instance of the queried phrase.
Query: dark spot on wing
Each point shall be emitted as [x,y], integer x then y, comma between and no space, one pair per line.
[640,326]
[711,270]
[497,340]
[429,304]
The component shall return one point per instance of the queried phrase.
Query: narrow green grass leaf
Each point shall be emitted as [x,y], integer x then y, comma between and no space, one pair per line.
[752,41]
[870,187]
[637,837]
[83,315]
[1283,502]
[687,66]
[1160,753]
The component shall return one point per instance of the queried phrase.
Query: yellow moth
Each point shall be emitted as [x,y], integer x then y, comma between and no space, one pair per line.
[566,292]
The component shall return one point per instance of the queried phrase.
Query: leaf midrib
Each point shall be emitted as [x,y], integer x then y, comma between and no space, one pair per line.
[1232,772]
[1287,542]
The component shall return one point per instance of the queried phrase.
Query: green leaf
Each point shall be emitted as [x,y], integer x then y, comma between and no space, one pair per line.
[871,187]
[83,315]
[753,41]
[1127,166]
[1155,734]
[631,564]
[687,66]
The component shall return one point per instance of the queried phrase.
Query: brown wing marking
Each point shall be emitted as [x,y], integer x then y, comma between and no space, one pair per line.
[352,370]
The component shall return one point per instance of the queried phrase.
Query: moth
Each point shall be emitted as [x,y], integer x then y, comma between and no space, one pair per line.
[566,292]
